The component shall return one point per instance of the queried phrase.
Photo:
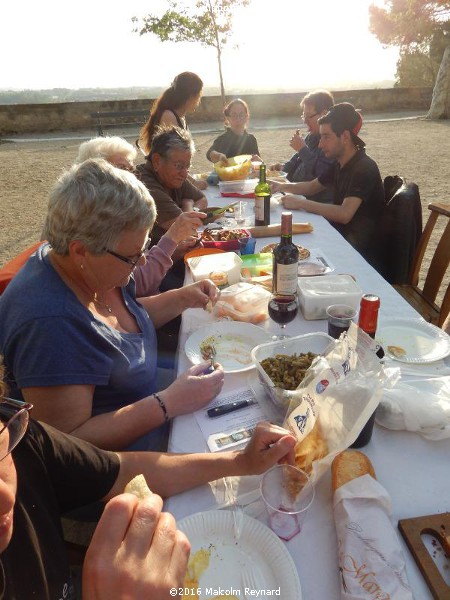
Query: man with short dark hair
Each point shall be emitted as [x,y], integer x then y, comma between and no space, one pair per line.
[309,161]
[355,180]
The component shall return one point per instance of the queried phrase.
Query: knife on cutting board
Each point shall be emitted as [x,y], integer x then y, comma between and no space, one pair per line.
[275,230]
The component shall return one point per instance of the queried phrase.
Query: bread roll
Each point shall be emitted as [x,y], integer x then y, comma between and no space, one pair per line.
[349,465]
[138,486]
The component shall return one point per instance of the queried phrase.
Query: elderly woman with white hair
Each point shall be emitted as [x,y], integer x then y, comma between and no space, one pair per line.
[76,342]
[179,237]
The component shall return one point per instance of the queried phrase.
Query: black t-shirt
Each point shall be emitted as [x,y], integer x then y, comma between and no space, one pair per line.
[55,473]
[359,177]
[231,144]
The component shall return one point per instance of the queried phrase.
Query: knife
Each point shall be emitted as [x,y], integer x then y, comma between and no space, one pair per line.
[224,409]
[219,211]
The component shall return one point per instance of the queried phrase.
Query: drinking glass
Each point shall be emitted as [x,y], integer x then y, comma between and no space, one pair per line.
[283,309]
[239,212]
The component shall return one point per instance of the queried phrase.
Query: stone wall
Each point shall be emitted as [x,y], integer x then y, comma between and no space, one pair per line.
[72,116]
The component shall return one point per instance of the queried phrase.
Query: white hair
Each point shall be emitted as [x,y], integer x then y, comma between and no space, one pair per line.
[106,147]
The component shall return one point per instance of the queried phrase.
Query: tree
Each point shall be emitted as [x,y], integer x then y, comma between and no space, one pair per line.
[419,26]
[209,23]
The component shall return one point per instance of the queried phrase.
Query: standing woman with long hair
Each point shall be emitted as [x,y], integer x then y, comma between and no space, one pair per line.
[181,98]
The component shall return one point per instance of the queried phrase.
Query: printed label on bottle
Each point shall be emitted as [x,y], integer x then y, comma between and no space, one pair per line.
[259,208]
[286,279]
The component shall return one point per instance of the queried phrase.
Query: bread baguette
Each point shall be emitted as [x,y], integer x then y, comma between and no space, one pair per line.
[349,465]
[138,486]
[275,230]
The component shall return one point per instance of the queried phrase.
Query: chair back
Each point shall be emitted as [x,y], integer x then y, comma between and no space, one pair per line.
[441,257]
[11,268]
[401,228]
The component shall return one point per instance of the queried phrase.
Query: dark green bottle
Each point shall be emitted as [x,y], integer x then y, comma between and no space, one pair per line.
[262,199]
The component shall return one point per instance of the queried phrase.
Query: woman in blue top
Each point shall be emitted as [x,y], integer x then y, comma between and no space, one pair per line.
[76,342]
[236,140]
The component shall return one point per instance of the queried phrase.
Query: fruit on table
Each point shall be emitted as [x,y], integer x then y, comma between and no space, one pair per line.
[236,168]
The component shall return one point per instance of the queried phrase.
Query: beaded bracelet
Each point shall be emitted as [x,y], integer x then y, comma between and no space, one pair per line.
[163,408]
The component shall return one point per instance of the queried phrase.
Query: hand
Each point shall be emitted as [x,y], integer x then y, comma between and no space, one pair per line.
[193,389]
[198,294]
[276,167]
[201,204]
[136,552]
[276,186]
[270,444]
[297,142]
[185,226]
[291,202]
[220,157]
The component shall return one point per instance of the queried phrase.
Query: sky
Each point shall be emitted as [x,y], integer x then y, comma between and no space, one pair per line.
[282,44]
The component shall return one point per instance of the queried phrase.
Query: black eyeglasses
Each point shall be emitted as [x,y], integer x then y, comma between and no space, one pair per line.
[130,261]
[308,117]
[14,415]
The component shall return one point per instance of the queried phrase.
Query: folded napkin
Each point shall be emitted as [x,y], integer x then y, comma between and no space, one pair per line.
[421,405]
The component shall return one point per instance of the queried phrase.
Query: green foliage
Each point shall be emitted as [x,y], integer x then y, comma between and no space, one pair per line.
[208,22]
[421,29]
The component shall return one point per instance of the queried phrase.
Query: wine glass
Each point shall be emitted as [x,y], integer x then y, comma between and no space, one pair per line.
[283,309]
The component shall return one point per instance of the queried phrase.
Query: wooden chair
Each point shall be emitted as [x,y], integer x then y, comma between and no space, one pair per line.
[424,299]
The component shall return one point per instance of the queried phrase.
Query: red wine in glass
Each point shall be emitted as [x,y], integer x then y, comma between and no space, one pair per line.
[283,309]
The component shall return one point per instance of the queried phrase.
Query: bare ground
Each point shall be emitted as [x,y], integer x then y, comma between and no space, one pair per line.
[415,149]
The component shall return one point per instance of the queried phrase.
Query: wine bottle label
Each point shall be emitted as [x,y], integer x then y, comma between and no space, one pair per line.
[286,282]
[259,208]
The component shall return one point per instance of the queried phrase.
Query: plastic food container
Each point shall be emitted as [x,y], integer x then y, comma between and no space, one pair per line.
[244,188]
[228,262]
[227,244]
[300,344]
[317,293]
[257,265]
[243,302]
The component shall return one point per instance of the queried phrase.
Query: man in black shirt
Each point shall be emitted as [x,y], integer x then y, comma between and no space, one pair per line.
[355,179]
[136,551]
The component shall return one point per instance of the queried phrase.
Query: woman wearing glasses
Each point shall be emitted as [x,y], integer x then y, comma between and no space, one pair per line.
[143,552]
[165,174]
[182,232]
[76,342]
[309,161]
[236,140]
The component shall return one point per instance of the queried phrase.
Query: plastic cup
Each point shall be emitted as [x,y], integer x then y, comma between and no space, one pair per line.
[239,212]
[339,318]
[247,245]
[287,493]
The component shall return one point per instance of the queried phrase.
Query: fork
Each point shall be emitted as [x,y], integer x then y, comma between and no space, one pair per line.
[248,579]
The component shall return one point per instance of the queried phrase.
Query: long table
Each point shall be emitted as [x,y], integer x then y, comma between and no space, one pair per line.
[413,470]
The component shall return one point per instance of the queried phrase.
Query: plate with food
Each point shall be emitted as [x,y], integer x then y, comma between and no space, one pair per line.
[218,561]
[303,253]
[232,341]
[413,340]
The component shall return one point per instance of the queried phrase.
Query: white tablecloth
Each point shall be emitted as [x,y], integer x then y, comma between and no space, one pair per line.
[413,470]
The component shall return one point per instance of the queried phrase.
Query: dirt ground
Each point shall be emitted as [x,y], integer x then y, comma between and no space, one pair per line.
[416,149]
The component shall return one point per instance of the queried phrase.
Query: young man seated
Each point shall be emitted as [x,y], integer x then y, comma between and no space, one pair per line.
[355,179]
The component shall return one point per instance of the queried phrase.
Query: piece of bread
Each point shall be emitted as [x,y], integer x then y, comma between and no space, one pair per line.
[138,486]
[349,465]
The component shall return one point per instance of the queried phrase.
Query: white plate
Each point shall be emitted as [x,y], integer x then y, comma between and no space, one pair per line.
[233,341]
[421,341]
[258,549]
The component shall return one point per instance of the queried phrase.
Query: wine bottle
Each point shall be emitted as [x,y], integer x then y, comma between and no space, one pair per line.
[368,319]
[262,199]
[285,260]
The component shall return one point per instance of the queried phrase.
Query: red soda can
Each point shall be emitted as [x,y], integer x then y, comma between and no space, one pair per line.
[368,313]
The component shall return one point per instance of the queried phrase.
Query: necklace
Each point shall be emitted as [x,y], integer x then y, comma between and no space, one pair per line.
[100,303]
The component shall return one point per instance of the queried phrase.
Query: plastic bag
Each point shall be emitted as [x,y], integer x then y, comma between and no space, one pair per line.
[422,405]
[337,397]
